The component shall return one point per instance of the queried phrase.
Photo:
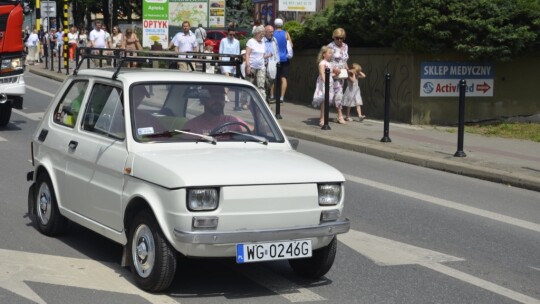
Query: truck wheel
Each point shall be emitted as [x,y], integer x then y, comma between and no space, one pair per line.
[152,259]
[5,113]
[318,264]
[49,220]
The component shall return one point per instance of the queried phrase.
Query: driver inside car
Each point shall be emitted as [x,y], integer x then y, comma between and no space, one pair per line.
[213,117]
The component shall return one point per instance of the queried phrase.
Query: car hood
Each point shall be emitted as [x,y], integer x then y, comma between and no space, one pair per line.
[222,167]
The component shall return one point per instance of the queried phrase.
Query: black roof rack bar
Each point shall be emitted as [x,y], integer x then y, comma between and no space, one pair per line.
[147,56]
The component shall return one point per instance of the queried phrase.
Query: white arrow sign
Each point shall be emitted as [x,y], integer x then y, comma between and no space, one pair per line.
[386,252]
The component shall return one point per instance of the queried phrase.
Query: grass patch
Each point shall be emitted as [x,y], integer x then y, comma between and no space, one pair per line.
[526,131]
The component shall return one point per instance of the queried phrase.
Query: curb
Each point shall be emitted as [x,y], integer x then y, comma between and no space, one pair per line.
[422,160]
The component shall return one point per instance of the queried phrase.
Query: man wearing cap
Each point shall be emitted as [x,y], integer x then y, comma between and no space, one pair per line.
[282,37]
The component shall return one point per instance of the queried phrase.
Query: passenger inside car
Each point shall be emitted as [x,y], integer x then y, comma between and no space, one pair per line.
[144,122]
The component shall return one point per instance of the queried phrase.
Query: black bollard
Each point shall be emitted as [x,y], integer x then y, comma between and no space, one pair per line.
[277,90]
[326,99]
[59,53]
[52,58]
[66,62]
[461,124]
[386,136]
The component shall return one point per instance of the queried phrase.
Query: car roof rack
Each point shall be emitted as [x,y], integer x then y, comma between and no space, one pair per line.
[118,57]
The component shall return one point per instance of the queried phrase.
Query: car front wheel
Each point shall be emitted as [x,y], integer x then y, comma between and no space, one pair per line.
[49,220]
[152,259]
[318,264]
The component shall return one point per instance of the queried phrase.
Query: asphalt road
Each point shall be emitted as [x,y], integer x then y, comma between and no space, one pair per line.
[417,236]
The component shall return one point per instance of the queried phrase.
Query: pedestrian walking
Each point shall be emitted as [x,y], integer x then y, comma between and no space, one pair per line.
[32,45]
[60,42]
[352,96]
[184,42]
[339,61]
[52,43]
[130,42]
[323,62]
[44,44]
[200,36]
[255,57]
[97,39]
[117,37]
[73,40]
[231,46]
[272,58]
[283,40]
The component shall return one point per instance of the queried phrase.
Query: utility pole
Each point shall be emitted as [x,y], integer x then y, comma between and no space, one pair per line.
[38,15]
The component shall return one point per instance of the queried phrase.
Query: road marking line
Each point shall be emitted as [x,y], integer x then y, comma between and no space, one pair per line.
[513,295]
[279,285]
[37,116]
[386,252]
[534,268]
[39,91]
[2,139]
[19,267]
[448,204]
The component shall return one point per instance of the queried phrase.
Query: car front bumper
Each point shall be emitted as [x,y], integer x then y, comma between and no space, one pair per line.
[211,237]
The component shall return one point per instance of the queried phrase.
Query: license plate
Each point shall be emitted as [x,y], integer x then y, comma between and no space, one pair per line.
[258,252]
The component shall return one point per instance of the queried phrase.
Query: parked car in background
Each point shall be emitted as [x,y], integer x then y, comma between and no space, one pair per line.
[216,35]
[159,162]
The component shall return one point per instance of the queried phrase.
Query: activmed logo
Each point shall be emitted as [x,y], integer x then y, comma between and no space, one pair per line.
[156,1]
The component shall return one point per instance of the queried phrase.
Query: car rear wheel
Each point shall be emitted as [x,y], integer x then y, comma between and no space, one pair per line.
[152,259]
[318,264]
[49,220]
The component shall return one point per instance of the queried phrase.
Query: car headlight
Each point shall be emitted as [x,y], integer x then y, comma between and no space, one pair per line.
[329,194]
[202,199]
[11,64]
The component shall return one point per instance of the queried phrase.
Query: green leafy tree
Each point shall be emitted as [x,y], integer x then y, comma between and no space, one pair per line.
[481,29]
[240,12]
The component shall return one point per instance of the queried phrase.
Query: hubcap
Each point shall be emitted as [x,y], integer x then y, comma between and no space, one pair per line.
[143,251]
[44,204]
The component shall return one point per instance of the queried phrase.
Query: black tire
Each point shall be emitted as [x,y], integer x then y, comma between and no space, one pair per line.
[318,264]
[49,221]
[5,114]
[151,258]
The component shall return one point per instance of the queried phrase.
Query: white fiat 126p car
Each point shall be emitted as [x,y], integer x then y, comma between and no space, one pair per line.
[159,162]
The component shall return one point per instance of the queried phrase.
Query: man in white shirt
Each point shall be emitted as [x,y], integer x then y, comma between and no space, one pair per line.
[184,42]
[97,39]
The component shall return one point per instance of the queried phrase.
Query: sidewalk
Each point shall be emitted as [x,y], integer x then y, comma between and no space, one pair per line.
[508,161]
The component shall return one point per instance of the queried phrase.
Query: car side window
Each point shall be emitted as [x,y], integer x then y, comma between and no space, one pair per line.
[104,113]
[67,111]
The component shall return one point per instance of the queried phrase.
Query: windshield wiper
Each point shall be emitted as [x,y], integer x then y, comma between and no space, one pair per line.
[255,138]
[170,133]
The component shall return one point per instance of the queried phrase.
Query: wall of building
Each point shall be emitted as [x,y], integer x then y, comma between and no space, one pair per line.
[514,87]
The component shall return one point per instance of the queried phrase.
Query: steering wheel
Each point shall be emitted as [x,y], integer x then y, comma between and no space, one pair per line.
[230,123]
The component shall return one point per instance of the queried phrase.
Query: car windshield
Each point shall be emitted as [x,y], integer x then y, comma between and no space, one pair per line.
[189,112]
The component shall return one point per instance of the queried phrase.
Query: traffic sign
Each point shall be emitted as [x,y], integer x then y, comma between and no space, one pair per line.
[48,9]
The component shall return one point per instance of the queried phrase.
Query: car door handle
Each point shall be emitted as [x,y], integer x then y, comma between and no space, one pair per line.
[73,145]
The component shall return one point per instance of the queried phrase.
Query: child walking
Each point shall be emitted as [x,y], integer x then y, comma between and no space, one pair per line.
[323,62]
[352,96]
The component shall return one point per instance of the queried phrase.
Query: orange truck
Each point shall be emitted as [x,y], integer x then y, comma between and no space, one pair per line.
[12,86]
